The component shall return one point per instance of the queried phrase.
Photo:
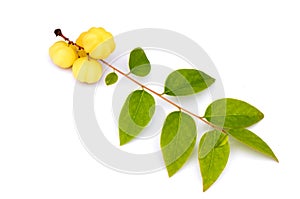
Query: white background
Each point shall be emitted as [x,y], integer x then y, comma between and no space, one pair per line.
[254,44]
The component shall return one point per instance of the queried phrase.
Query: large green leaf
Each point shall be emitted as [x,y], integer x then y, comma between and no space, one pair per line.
[252,140]
[111,78]
[135,115]
[232,113]
[177,140]
[139,63]
[213,163]
[187,82]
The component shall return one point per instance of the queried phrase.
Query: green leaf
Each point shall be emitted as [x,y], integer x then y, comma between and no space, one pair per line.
[187,82]
[111,78]
[213,163]
[232,113]
[139,63]
[177,140]
[136,113]
[253,141]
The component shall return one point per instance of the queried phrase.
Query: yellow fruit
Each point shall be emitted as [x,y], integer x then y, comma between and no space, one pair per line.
[87,70]
[62,54]
[97,42]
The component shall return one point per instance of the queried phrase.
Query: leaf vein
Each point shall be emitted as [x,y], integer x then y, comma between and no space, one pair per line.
[210,163]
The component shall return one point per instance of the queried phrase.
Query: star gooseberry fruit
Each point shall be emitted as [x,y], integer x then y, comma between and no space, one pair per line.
[87,70]
[97,42]
[62,54]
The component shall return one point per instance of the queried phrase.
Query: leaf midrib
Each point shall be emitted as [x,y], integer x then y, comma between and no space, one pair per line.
[138,106]
[211,162]
[177,138]
[231,115]
[174,90]
[183,87]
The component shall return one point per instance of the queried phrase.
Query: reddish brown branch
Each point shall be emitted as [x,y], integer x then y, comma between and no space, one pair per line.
[58,32]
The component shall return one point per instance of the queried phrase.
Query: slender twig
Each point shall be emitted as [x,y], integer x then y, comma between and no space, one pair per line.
[58,32]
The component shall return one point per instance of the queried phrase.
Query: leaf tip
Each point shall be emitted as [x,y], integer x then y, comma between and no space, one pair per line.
[170,174]
[261,115]
[171,170]
[124,137]
[122,143]
[275,158]
[205,187]
[213,80]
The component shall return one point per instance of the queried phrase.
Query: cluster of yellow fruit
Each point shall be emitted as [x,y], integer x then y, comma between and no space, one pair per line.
[97,43]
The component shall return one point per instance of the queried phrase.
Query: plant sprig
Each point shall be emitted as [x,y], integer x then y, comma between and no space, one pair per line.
[227,117]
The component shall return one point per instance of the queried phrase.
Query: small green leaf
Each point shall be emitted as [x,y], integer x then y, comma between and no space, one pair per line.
[232,113]
[187,82]
[213,163]
[136,113]
[111,78]
[253,141]
[177,140]
[139,63]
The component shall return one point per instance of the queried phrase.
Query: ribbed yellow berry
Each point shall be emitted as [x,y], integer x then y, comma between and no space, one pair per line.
[97,42]
[62,54]
[87,70]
